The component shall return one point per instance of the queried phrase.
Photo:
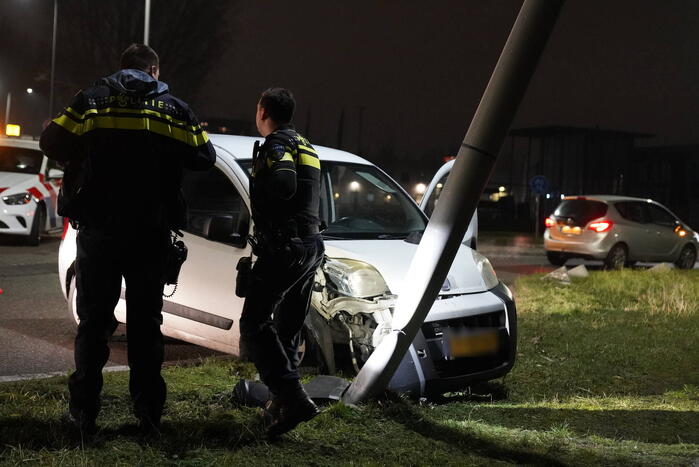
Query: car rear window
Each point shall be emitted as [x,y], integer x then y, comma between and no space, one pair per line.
[581,211]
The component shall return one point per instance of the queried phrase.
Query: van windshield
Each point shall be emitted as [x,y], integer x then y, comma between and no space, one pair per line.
[361,202]
[20,160]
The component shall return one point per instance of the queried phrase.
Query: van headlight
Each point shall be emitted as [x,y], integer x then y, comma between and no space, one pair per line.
[486,270]
[16,199]
[355,278]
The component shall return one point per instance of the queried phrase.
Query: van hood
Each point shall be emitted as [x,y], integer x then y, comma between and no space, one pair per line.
[392,259]
[9,180]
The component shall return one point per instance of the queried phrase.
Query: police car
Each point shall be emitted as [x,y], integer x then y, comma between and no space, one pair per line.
[29,184]
[373,228]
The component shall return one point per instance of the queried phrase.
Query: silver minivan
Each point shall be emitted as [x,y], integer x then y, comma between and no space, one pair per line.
[618,230]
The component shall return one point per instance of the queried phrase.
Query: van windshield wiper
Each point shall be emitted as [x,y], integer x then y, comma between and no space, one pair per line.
[392,236]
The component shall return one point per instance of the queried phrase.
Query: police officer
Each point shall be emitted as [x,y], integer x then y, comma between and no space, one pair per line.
[285,197]
[125,142]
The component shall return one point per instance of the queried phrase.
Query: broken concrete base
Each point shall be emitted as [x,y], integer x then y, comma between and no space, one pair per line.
[661,267]
[564,275]
[578,271]
[560,275]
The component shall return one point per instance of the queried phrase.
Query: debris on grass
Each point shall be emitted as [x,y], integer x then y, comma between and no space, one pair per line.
[560,275]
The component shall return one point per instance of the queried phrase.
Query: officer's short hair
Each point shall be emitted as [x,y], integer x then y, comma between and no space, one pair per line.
[279,104]
[139,57]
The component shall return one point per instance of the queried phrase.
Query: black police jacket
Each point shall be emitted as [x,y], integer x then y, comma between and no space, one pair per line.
[285,184]
[125,142]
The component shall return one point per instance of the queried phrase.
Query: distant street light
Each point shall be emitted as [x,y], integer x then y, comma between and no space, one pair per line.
[30,90]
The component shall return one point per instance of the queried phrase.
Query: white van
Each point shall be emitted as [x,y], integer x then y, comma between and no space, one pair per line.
[373,228]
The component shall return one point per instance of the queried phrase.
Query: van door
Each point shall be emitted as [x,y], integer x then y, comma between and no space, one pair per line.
[431,197]
[205,304]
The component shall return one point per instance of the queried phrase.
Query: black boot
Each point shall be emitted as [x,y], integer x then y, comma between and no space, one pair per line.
[270,412]
[81,421]
[293,408]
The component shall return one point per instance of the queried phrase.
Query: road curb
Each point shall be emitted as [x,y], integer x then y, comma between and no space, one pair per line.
[32,376]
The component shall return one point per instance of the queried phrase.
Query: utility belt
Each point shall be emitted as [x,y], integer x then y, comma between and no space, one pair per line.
[286,247]
[270,240]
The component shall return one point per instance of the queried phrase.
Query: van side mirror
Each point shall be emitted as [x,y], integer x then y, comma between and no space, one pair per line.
[223,229]
[54,174]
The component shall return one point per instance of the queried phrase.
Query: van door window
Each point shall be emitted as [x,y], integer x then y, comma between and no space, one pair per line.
[209,194]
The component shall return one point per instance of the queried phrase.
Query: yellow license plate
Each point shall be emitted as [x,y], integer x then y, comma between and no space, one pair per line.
[474,345]
[566,229]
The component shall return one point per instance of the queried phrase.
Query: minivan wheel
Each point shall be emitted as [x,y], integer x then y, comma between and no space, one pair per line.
[557,259]
[617,257]
[688,256]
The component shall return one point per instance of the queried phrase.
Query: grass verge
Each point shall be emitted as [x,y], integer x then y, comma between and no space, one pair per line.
[607,374]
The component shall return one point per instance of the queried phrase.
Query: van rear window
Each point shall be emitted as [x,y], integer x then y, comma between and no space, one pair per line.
[581,211]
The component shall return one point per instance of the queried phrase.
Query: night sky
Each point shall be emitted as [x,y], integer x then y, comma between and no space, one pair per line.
[412,71]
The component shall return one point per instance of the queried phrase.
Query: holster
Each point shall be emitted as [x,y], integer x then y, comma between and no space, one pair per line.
[175,258]
[244,277]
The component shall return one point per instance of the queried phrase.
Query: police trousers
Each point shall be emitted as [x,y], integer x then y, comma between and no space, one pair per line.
[275,308]
[103,258]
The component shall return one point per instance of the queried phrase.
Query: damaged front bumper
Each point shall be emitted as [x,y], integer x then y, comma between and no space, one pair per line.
[427,369]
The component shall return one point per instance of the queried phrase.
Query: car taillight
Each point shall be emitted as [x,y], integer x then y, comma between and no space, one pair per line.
[66,224]
[550,222]
[600,226]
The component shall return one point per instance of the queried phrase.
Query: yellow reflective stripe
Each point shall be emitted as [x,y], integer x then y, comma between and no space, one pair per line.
[306,148]
[306,159]
[286,157]
[74,113]
[167,117]
[131,123]
[69,125]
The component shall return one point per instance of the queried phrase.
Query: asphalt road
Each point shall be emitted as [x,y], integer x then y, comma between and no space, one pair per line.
[36,328]
[513,255]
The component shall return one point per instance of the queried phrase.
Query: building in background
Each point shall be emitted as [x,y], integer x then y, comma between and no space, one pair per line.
[670,175]
[571,160]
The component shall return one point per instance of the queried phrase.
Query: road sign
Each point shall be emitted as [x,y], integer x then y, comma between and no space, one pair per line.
[539,185]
